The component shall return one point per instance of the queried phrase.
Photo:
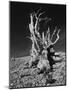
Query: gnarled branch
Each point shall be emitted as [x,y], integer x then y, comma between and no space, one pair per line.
[56,38]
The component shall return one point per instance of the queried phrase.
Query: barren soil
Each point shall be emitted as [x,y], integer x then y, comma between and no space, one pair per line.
[21,76]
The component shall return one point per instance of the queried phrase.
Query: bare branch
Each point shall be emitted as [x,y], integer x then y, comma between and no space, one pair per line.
[43,38]
[48,34]
[54,33]
[56,38]
[42,19]
[38,11]
[40,14]
[31,27]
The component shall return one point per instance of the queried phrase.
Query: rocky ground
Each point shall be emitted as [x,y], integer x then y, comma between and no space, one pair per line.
[21,76]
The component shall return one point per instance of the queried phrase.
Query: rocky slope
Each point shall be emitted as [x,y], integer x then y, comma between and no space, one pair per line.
[21,76]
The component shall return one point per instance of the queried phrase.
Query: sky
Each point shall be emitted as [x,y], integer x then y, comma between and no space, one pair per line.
[19,13]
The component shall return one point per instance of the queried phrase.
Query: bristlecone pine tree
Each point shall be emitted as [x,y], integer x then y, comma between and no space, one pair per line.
[40,42]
